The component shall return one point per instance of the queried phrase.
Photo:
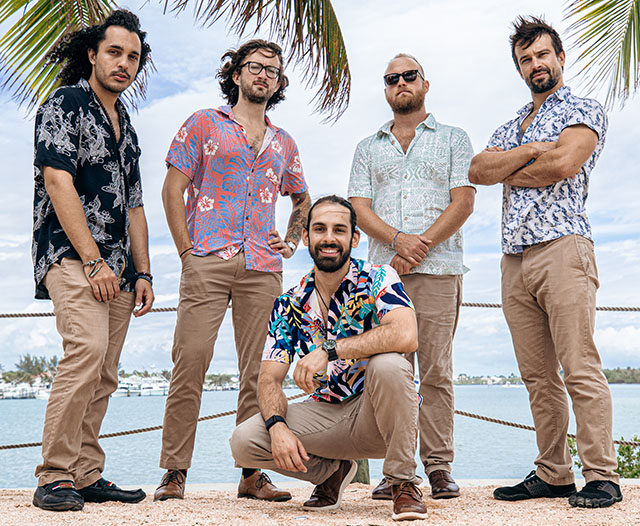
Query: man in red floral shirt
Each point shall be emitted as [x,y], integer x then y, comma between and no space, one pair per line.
[233,163]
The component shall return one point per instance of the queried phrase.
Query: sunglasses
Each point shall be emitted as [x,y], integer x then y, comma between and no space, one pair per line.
[255,68]
[409,76]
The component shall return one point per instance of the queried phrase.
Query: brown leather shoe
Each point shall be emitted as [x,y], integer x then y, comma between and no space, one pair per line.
[171,486]
[259,486]
[442,485]
[382,491]
[328,495]
[407,502]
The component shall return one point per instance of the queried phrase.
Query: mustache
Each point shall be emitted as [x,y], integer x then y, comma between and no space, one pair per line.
[329,245]
[121,72]
[542,69]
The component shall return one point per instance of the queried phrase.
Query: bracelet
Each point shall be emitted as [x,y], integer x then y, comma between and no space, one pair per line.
[184,251]
[95,264]
[273,421]
[393,243]
[145,276]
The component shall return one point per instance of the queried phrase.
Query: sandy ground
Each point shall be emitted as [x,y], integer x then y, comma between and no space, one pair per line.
[220,506]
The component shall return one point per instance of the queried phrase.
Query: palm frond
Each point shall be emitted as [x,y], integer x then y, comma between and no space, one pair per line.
[24,48]
[307,29]
[607,35]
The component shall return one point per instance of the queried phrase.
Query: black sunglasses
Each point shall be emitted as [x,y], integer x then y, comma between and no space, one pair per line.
[409,76]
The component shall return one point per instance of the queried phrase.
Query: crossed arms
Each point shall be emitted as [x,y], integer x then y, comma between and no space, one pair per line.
[397,332]
[552,161]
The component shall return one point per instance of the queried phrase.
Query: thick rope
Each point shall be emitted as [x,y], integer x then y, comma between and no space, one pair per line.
[294,397]
[174,309]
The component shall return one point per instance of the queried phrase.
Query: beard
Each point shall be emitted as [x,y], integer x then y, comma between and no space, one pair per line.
[328,264]
[544,85]
[253,95]
[406,105]
[110,85]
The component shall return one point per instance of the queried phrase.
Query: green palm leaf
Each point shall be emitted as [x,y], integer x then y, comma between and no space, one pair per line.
[308,29]
[24,49]
[607,34]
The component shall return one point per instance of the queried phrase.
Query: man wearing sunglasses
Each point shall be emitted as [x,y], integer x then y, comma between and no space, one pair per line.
[233,163]
[411,192]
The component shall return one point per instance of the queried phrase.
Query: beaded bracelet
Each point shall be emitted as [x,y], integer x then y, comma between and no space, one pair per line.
[145,276]
[393,243]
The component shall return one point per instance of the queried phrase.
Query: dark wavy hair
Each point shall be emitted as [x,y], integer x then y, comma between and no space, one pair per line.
[527,30]
[339,201]
[72,51]
[235,59]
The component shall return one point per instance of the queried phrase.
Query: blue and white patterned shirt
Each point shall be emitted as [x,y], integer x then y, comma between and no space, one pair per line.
[409,191]
[534,215]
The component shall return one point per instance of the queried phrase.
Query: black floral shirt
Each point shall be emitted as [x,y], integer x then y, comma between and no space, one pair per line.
[72,133]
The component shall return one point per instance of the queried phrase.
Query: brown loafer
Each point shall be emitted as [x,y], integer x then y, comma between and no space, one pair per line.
[171,486]
[407,502]
[259,486]
[328,495]
[442,485]
[382,491]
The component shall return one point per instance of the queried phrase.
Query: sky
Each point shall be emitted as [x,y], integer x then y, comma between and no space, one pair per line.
[463,46]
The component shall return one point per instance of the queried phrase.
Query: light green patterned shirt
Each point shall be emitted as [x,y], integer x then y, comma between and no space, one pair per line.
[410,191]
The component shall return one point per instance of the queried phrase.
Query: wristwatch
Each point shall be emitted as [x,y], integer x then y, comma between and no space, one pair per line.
[269,423]
[293,246]
[329,346]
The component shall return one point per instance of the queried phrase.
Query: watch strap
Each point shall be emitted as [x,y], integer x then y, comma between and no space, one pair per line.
[270,422]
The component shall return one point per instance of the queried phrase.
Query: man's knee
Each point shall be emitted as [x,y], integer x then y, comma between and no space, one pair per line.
[389,365]
[245,441]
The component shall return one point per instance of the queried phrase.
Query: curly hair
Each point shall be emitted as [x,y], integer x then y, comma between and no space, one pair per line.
[72,51]
[235,58]
[527,30]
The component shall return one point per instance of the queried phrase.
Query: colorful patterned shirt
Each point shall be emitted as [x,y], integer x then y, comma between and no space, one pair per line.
[534,215]
[73,134]
[232,194]
[409,191]
[365,295]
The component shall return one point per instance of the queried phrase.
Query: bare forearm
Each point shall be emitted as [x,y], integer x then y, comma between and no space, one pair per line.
[370,223]
[68,208]
[139,235]
[396,337]
[271,398]
[175,212]
[298,217]
[546,170]
[491,167]
[453,217]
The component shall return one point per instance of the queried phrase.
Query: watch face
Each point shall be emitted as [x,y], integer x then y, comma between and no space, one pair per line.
[329,344]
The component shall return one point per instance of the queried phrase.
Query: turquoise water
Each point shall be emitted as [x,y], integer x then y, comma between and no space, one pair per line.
[483,450]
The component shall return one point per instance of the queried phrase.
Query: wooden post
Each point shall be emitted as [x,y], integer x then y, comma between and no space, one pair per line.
[362,475]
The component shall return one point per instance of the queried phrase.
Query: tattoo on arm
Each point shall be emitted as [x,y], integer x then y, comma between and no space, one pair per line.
[301,205]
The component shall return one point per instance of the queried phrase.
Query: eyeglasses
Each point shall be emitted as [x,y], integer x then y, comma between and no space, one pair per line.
[409,76]
[255,68]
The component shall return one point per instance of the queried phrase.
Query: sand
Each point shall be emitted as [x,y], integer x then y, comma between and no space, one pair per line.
[216,506]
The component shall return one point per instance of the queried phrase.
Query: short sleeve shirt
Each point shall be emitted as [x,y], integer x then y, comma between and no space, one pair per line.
[534,215]
[72,133]
[409,191]
[232,191]
[367,293]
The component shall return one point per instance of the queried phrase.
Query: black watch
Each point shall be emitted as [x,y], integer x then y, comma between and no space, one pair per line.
[329,346]
[269,423]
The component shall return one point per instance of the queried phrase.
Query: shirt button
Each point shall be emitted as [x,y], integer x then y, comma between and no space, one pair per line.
[247,218]
[406,219]
[404,197]
[406,177]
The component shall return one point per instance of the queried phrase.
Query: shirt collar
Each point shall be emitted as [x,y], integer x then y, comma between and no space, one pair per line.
[120,108]
[562,93]
[228,111]
[429,122]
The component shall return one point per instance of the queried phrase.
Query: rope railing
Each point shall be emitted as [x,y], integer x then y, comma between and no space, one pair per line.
[294,397]
[174,309]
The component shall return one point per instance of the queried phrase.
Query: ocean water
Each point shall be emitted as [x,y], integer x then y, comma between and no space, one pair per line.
[483,450]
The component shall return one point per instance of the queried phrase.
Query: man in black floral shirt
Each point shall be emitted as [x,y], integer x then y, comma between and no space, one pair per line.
[90,249]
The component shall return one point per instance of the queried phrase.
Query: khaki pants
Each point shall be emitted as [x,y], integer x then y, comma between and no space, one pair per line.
[549,299]
[92,334]
[437,301]
[379,423]
[206,286]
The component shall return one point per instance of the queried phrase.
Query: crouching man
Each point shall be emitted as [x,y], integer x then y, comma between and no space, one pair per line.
[349,321]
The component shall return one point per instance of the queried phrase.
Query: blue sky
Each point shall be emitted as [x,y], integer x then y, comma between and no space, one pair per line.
[463,47]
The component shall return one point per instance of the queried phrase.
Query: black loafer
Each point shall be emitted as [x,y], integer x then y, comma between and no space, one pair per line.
[533,487]
[105,491]
[58,496]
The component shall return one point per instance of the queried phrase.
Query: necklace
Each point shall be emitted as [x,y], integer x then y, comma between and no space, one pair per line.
[326,307]
[106,113]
